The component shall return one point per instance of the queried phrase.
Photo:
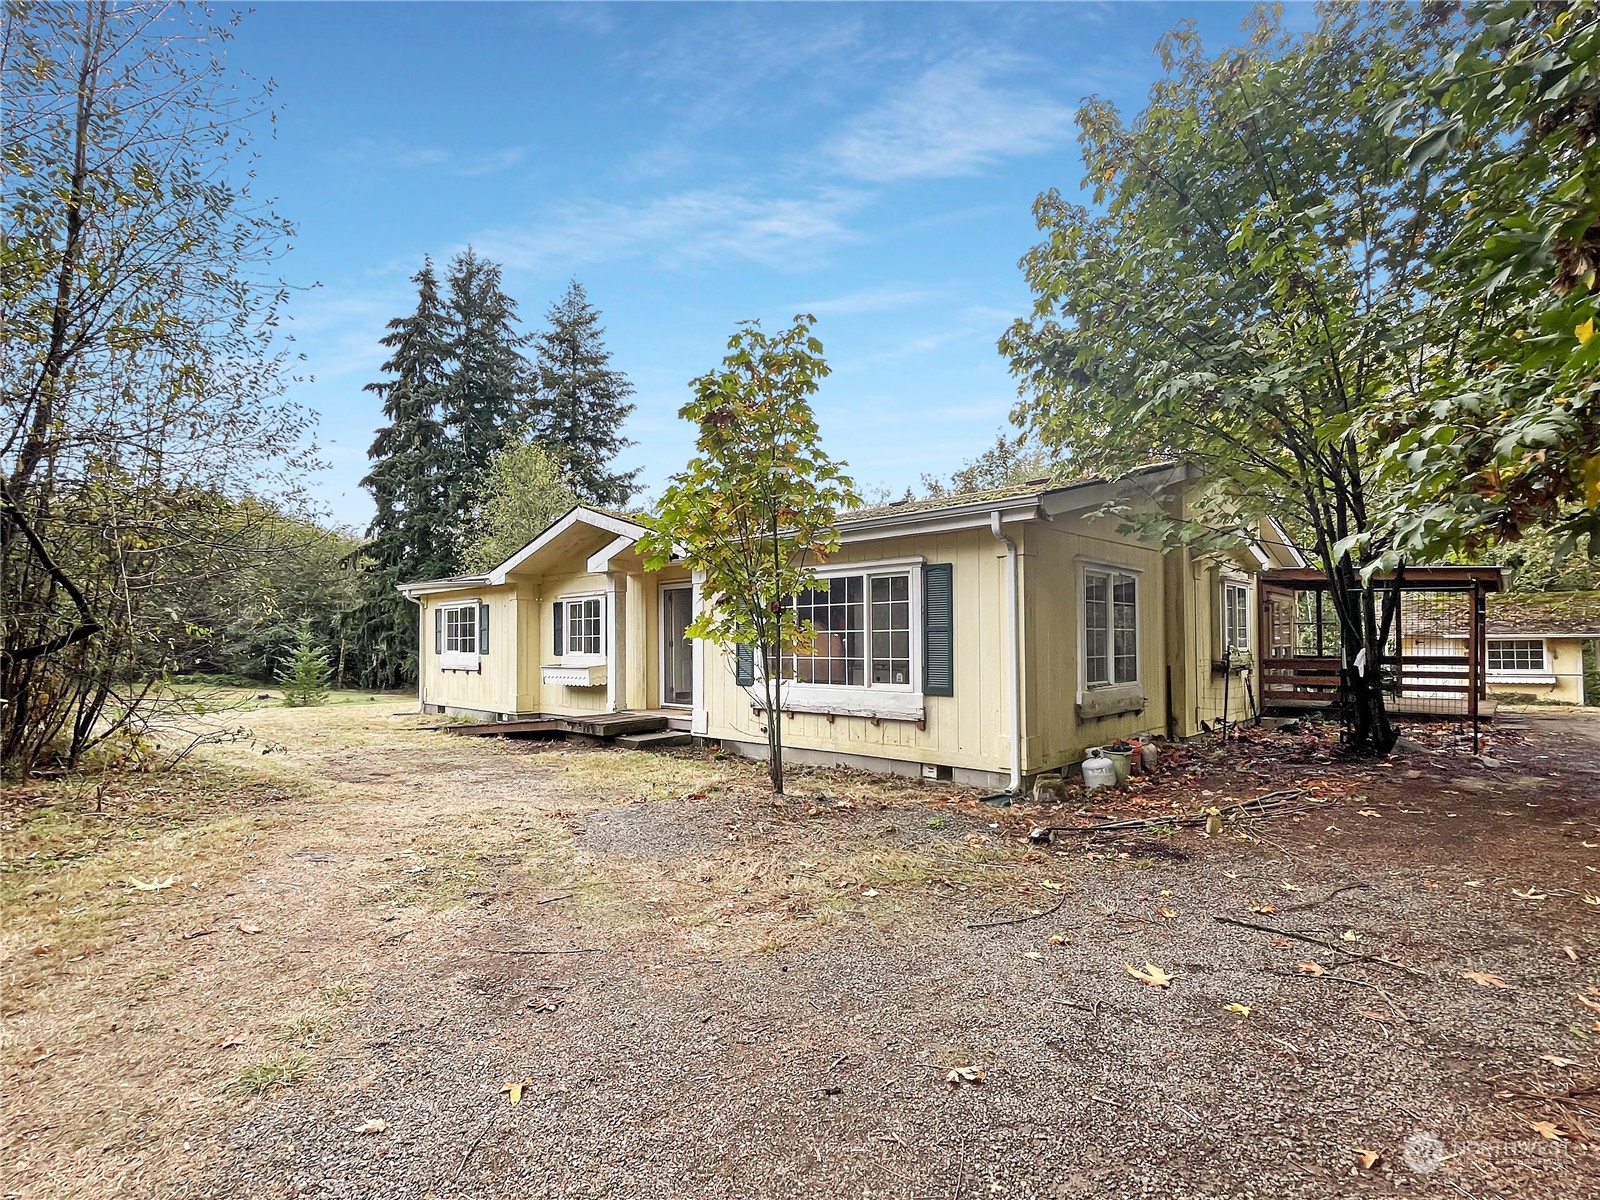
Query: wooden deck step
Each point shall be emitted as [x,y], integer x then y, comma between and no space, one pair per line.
[611,725]
[660,740]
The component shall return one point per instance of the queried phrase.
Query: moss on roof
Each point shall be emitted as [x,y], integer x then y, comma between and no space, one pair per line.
[1573,613]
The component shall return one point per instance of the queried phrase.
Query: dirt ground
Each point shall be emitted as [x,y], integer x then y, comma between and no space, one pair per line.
[314,962]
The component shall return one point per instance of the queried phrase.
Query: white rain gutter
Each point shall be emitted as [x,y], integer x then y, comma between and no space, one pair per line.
[1015,635]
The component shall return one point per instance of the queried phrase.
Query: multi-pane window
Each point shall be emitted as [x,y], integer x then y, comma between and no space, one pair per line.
[862,627]
[584,632]
[461,629]
[1236,617]
[1110,628]
[1521,654]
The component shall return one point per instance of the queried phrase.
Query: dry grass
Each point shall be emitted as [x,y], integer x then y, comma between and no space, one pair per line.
[294,865]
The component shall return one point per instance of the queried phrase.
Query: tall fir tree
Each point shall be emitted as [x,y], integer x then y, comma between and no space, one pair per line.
[582,402]
[486,402]
[410,482]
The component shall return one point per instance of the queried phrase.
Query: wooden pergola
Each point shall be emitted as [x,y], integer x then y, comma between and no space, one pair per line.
[1433,664]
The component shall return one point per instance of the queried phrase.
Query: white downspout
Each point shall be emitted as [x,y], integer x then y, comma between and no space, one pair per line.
[1014,633]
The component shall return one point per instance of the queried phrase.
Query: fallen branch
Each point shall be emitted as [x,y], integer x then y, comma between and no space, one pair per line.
[1325,944]
[1272,804]
[1349,887]
[1387,998]
[1056,907]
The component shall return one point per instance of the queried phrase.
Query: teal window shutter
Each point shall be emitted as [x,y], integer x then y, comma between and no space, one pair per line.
[555,623]
[744,665]
[483,628]
[938,631]
[438,631]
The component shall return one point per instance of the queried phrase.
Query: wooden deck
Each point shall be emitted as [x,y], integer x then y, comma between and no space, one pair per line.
[602,727]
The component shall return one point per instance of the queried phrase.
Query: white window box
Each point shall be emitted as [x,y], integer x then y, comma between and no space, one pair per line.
[1540,677]
[593,675]
[458,660]
[877,703]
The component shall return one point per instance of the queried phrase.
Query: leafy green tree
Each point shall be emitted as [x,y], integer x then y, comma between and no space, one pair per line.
[1010,461]
[755,509]
[411,486]
[1507,433]
[141,384]
[489,386]
[1250,283]
[524,491]
[582,400]
[304,676]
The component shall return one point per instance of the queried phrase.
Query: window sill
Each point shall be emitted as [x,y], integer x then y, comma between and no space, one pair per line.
[1110,701]
[579,677]
[879,704]
[454,660]
[1521,677]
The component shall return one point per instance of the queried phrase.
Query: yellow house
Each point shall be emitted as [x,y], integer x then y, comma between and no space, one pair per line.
[983,638]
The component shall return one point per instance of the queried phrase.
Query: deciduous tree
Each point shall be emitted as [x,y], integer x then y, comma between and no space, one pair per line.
[755,509]
[1249,284]
[525,490]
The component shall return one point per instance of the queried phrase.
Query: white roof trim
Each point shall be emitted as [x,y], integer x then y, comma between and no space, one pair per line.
[1094,495]
[938,520]
[430,587]
[600,560]
[1285,542]
[579,515]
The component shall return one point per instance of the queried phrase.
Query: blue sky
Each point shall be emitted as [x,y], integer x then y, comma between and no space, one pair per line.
[693,165]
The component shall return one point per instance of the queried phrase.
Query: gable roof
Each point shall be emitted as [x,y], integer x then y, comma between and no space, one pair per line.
[622,527]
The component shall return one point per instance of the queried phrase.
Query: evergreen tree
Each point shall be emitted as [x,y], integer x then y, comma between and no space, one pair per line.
[582,402]
[486,400]
[305,675]
[410,484]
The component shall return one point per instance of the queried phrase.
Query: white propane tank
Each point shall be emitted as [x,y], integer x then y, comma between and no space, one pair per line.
[1098,770]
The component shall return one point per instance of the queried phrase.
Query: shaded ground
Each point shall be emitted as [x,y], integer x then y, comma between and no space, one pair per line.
[761,1000]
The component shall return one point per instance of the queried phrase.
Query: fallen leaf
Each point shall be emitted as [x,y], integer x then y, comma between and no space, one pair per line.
[1265,910]
[1033,954]
[1164,892]
[545,1004]
[1484,979]
[959,1076]
[1290,887]
[869,893]
[1349,935]
[1587,1003]
[514,1090]
[374,1126]
[1281,943]
[1369,812]
[155,885]
[228,1041]
[1307,967]
[1473,883]
[1168,913]
[1242,1009]
[1548,1130]
[243,928]
[1152,974]
[1054,887]
[1557,1061]
[1591,899]
[1530,894]
[1367,1158]
[1057,940]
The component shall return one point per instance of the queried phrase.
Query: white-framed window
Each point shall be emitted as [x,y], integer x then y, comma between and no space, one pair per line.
[459,632]
[1235,618]
[1517,657]
[864,626]
[1110,628]
[866,656]
[580,627]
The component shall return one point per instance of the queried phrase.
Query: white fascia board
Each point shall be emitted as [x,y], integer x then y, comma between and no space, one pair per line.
[940,520]
[439,587]
[1257,553]
[1283,540]
[600,561]
[579,515]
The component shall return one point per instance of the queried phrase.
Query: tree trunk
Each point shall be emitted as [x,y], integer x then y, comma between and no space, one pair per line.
[1361,672]
[772,663]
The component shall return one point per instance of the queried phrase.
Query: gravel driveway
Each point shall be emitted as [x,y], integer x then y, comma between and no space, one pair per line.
[819,1067]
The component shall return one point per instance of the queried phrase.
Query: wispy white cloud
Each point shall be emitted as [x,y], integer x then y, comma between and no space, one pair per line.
[952,120]
[704,224]
[871,300]
[398,156]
